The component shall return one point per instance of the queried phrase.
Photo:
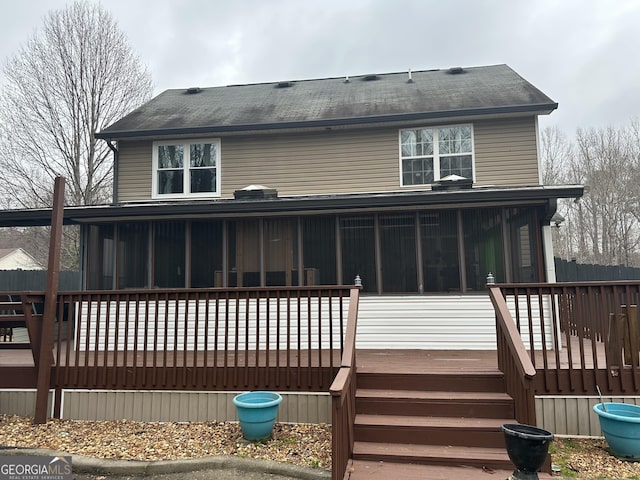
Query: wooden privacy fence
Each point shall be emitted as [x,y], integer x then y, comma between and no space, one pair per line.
[578,335]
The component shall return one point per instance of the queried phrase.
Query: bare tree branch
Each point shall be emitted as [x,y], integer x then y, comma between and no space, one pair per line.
[72,78]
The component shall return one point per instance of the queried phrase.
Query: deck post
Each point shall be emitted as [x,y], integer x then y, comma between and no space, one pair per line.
[45,356]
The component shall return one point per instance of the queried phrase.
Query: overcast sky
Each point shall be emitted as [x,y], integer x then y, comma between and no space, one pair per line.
[584,54]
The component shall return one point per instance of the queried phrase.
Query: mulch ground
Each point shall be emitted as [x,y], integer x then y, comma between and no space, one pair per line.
[306,445]
[590,459]
[303,444]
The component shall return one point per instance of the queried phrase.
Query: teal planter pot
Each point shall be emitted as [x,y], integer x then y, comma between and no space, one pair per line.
[620,425]
[257,412]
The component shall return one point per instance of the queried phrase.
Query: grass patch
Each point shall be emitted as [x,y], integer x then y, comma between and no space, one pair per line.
[561,451]
[590,459]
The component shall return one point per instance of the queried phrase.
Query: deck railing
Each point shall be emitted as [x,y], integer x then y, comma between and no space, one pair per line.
[513,360]
[343,397]
[578,335]
[287,339]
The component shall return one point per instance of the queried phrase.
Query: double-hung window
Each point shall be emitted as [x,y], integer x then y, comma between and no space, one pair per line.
[429,154]
[189,168]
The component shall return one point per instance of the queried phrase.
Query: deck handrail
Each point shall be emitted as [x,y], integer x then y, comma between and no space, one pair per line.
[513,360]
[579,335]
[343,396]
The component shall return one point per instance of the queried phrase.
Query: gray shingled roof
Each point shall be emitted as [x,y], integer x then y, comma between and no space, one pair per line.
[334,101]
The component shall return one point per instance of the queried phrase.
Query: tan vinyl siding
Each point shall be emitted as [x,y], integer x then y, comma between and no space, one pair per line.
[173,406]
[21,402]
[506,152]
[134,171]
[573,415]
[340,161]
[330,162]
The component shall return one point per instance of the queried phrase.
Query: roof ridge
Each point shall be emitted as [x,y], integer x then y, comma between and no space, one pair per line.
[359,75]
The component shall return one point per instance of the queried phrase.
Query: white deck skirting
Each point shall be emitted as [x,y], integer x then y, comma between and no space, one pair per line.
[430,322]
[435,322]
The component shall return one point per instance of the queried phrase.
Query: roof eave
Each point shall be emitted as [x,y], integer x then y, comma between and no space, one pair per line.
[533,109]
[291,205]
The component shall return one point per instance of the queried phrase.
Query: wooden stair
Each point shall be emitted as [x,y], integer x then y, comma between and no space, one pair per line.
[440,424]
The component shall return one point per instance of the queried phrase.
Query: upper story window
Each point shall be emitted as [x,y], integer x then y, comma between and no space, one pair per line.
[190,168]
[429,154]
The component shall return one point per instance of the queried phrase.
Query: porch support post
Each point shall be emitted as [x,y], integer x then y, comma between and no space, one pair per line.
[45,356]
[547,251]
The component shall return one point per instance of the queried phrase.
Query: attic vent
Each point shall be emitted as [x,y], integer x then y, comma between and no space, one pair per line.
[455,70]
[370,78]
[255,192]
[453,182]
[284,84]
[193,90]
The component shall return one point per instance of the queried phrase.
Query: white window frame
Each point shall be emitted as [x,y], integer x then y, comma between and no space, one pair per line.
[186,169]
[436,152]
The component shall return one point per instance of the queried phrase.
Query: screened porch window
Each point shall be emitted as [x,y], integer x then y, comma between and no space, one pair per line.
[133,255]
[425,251]
[483,246]
[439,241]
[281,252]
[186,169]
[206,254]
[359,251]
[524,245]
[398,253]
[319,250]
[169,255]
[101,257]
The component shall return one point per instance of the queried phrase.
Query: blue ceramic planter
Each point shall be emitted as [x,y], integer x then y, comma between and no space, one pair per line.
[620,425]
[257,412]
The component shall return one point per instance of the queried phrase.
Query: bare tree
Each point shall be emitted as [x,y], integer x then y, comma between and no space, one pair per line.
[555,155]
[607,216]
[556,152]
[602,227]
[75,76]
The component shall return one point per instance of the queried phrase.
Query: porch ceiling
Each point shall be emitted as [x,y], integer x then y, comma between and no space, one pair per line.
[312,204]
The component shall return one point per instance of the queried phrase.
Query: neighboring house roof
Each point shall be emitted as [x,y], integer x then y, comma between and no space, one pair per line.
[391,97]
[527,195]
[18,259]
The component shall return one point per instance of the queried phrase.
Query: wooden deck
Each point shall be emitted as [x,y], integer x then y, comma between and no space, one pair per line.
[569,355]
[576,369]
[398,360]
[421,361]
[363,470]
[395,360]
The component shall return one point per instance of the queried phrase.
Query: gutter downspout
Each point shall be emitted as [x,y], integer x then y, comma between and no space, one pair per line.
[116,158]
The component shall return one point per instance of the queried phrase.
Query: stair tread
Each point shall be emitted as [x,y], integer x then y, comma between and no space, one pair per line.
[363,419]
[430,395]
[370,470]
[430,451]
[467,370]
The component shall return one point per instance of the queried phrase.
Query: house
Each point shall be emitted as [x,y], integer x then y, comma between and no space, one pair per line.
[419,185]
[18,259]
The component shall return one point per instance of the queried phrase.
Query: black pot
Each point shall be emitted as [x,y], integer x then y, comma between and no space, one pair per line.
[527,447]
